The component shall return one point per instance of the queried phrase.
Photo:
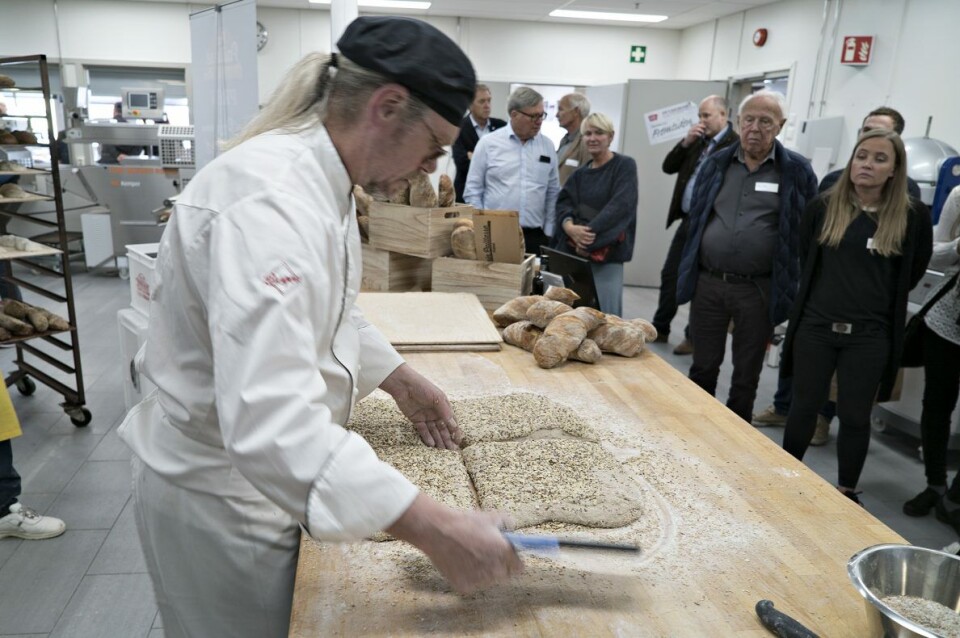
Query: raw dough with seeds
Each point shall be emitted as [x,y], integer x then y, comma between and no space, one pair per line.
[511,416]
[561,480]
[439,473]
[381,423]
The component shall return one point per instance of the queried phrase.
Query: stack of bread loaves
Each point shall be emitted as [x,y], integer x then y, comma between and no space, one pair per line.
[548,326]
[417,191]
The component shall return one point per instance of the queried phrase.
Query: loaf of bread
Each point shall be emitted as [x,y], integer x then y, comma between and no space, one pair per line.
[15,326]
[588,352]
[462,240]
[25,312]
[564,335]
[7,138]
[12,191]
[400,193]
[12,167]
[5,334]
[514,310]
[563,295]
[447,195]
[543,312]
[363,222]
[522,334]
[25,137]
[422,194]
[619,337]
[649,332]
[56,322]
[6,82]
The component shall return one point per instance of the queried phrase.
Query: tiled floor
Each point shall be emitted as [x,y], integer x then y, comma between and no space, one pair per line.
[92,582]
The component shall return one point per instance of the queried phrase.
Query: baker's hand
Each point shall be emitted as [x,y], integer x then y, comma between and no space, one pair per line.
[468,548]
[425,405]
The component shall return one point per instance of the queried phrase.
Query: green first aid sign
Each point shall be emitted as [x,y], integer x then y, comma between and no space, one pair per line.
[638,54]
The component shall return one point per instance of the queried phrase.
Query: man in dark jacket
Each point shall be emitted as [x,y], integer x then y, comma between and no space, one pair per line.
[740,261]
[475,125]
[712,133]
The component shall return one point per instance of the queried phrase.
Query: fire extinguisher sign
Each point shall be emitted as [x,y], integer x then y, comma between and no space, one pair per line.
[857,50]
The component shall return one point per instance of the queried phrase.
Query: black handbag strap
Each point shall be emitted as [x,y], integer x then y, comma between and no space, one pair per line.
[940,293]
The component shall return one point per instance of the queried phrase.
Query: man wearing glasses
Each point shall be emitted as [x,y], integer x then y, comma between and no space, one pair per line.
[515,168]
[740,261]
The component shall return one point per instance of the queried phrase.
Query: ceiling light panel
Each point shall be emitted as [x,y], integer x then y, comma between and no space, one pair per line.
[606,16]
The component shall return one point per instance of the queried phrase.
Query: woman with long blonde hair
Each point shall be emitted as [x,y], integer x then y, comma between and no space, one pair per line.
[863,245]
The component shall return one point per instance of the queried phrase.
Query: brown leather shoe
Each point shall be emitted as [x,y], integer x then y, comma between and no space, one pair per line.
[822,433]
[684,347]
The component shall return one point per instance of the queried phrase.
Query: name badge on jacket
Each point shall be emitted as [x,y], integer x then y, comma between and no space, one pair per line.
[768,187]
[571,162]
[869,243]
[544,159]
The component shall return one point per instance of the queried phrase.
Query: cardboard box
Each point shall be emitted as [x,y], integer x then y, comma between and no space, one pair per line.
[498,236]
[385,271]
[420,232]
[494,283]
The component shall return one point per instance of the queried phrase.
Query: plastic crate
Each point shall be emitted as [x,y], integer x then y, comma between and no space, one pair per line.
[142,259]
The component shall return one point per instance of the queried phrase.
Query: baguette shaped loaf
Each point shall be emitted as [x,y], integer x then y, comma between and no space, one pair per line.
[15,326]
[563,295]
[400,193]
[363,200]
[620,337]
[422,194]
[588,352]
[462,241]
[649,332]
[543,312]
[564,335]
[522,334]
[514,310]
[447,194]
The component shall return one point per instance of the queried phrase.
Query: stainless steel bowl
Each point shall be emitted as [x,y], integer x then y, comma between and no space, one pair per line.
[903,570]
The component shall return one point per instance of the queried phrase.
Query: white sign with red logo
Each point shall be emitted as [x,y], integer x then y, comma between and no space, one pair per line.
[856,50]
[670,122]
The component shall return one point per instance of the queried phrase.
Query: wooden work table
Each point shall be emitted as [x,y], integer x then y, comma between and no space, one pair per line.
[739,520]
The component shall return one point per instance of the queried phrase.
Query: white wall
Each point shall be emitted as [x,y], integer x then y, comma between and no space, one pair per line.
[912,69]
[103,31]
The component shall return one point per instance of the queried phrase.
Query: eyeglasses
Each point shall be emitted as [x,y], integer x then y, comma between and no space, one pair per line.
[763,123]
[534,117]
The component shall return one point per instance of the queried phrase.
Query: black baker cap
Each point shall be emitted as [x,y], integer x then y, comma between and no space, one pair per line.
[418,56]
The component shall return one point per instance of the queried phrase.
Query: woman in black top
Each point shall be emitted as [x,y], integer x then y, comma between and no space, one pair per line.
[597,212]
[863,245]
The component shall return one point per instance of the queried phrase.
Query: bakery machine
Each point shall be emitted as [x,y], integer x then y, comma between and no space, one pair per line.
[135,190]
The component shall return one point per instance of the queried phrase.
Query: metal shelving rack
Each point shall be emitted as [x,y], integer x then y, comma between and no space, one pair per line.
[41,356]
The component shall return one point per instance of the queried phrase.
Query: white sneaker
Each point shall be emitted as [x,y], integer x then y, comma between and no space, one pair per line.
[23,522]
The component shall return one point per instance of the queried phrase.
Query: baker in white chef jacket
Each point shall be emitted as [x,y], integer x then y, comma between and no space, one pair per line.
[259,354]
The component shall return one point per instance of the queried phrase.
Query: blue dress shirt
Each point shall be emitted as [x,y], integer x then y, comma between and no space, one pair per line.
[506,174]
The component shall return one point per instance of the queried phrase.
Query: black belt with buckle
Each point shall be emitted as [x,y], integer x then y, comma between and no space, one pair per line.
[733,278]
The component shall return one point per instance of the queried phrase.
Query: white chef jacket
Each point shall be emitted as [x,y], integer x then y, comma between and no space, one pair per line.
[255,345]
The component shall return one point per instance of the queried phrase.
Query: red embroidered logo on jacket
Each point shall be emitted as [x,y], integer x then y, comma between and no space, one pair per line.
[282,278]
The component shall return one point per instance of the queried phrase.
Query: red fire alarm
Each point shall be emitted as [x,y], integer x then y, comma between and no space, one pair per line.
[759,37]
[857,50]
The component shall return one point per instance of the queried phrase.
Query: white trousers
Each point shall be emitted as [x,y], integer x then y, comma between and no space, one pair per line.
[220,566]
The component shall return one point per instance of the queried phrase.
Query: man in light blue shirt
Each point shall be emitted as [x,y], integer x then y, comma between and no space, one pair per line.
[515,168]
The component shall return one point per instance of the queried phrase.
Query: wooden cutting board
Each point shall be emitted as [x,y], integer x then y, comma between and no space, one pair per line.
[425,321]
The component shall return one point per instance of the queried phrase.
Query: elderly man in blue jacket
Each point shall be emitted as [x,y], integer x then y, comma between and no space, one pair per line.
[740,261]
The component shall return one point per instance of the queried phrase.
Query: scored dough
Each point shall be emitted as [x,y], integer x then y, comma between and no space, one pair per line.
[511,416]
[381,423]
[439,473]
[561,480]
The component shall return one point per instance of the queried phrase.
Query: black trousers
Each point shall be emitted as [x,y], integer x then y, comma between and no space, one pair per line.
[9,479]
[715,303]
[859,359]
[667,306]
[941,369]
[534,238]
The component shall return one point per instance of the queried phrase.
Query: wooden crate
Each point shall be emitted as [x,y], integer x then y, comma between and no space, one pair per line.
[494,283]
[420,232]
[385,271]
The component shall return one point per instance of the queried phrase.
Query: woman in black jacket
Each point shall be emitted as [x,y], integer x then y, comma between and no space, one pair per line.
[863,245]
[597,212]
